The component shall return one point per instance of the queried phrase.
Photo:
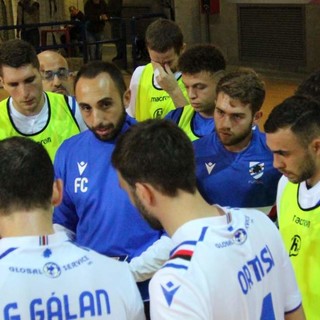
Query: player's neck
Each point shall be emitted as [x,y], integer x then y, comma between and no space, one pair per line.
[184,208]
[312,182]
[26,223]
[240,146]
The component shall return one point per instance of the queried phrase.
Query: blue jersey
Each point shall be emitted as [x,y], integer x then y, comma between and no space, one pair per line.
[94,206]
[191,122]
[237,179]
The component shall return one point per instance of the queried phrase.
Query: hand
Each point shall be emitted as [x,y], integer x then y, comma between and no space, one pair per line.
[165,77]
[168,82]
[103,17]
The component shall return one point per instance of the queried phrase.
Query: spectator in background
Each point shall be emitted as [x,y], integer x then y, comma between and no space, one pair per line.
[310,86]
[75,29]
[28,12]
[72,282]
[96,14]
[55,72]
[115,8]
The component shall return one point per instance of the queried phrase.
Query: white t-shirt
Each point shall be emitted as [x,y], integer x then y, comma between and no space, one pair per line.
[308,198]
[227,267]
[49,277]
[35,123]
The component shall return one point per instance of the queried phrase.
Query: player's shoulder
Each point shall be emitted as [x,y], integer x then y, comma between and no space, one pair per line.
[204,144]
[76,140]
[138,71]
[177,272]
[129,121]
[56,96]
[259,140]
[174,115]
[180,258]
[74,146]
[251,216]
[113,266]
[252,212]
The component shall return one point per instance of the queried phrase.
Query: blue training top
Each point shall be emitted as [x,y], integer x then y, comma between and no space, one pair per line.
[237,179]
[94,206]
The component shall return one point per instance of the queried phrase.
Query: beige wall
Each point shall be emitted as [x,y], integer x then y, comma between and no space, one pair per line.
[224,30]
[313,37]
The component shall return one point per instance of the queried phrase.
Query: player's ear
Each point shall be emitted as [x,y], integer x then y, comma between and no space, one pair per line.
[145,193]
[315,145]
[126,97]
[257,117]
[183,48]
[57,192]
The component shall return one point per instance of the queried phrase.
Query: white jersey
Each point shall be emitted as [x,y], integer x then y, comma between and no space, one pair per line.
[227,267]
[49,277]
[308,198]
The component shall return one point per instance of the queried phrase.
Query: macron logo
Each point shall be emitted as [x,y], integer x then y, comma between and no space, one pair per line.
[169,291]
[81,167]
[210,167]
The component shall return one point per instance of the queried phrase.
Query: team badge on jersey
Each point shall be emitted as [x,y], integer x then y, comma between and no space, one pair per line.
[169,290]
[295,246]
[240,236]
[256,169]
[47,253]
[51,270]
[158,113]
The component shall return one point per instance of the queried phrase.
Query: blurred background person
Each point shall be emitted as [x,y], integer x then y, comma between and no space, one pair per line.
[96,14]
[115,8]
[75,30]
[28,12]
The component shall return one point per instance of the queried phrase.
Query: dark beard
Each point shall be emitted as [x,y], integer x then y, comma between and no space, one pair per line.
[117,128]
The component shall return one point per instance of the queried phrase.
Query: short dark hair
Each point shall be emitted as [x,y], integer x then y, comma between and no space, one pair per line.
[311,86]
[245,86]
[299,113]
[26,175]
[202,57]
[157,152]
[17,53]
[94,68]
[163,35]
